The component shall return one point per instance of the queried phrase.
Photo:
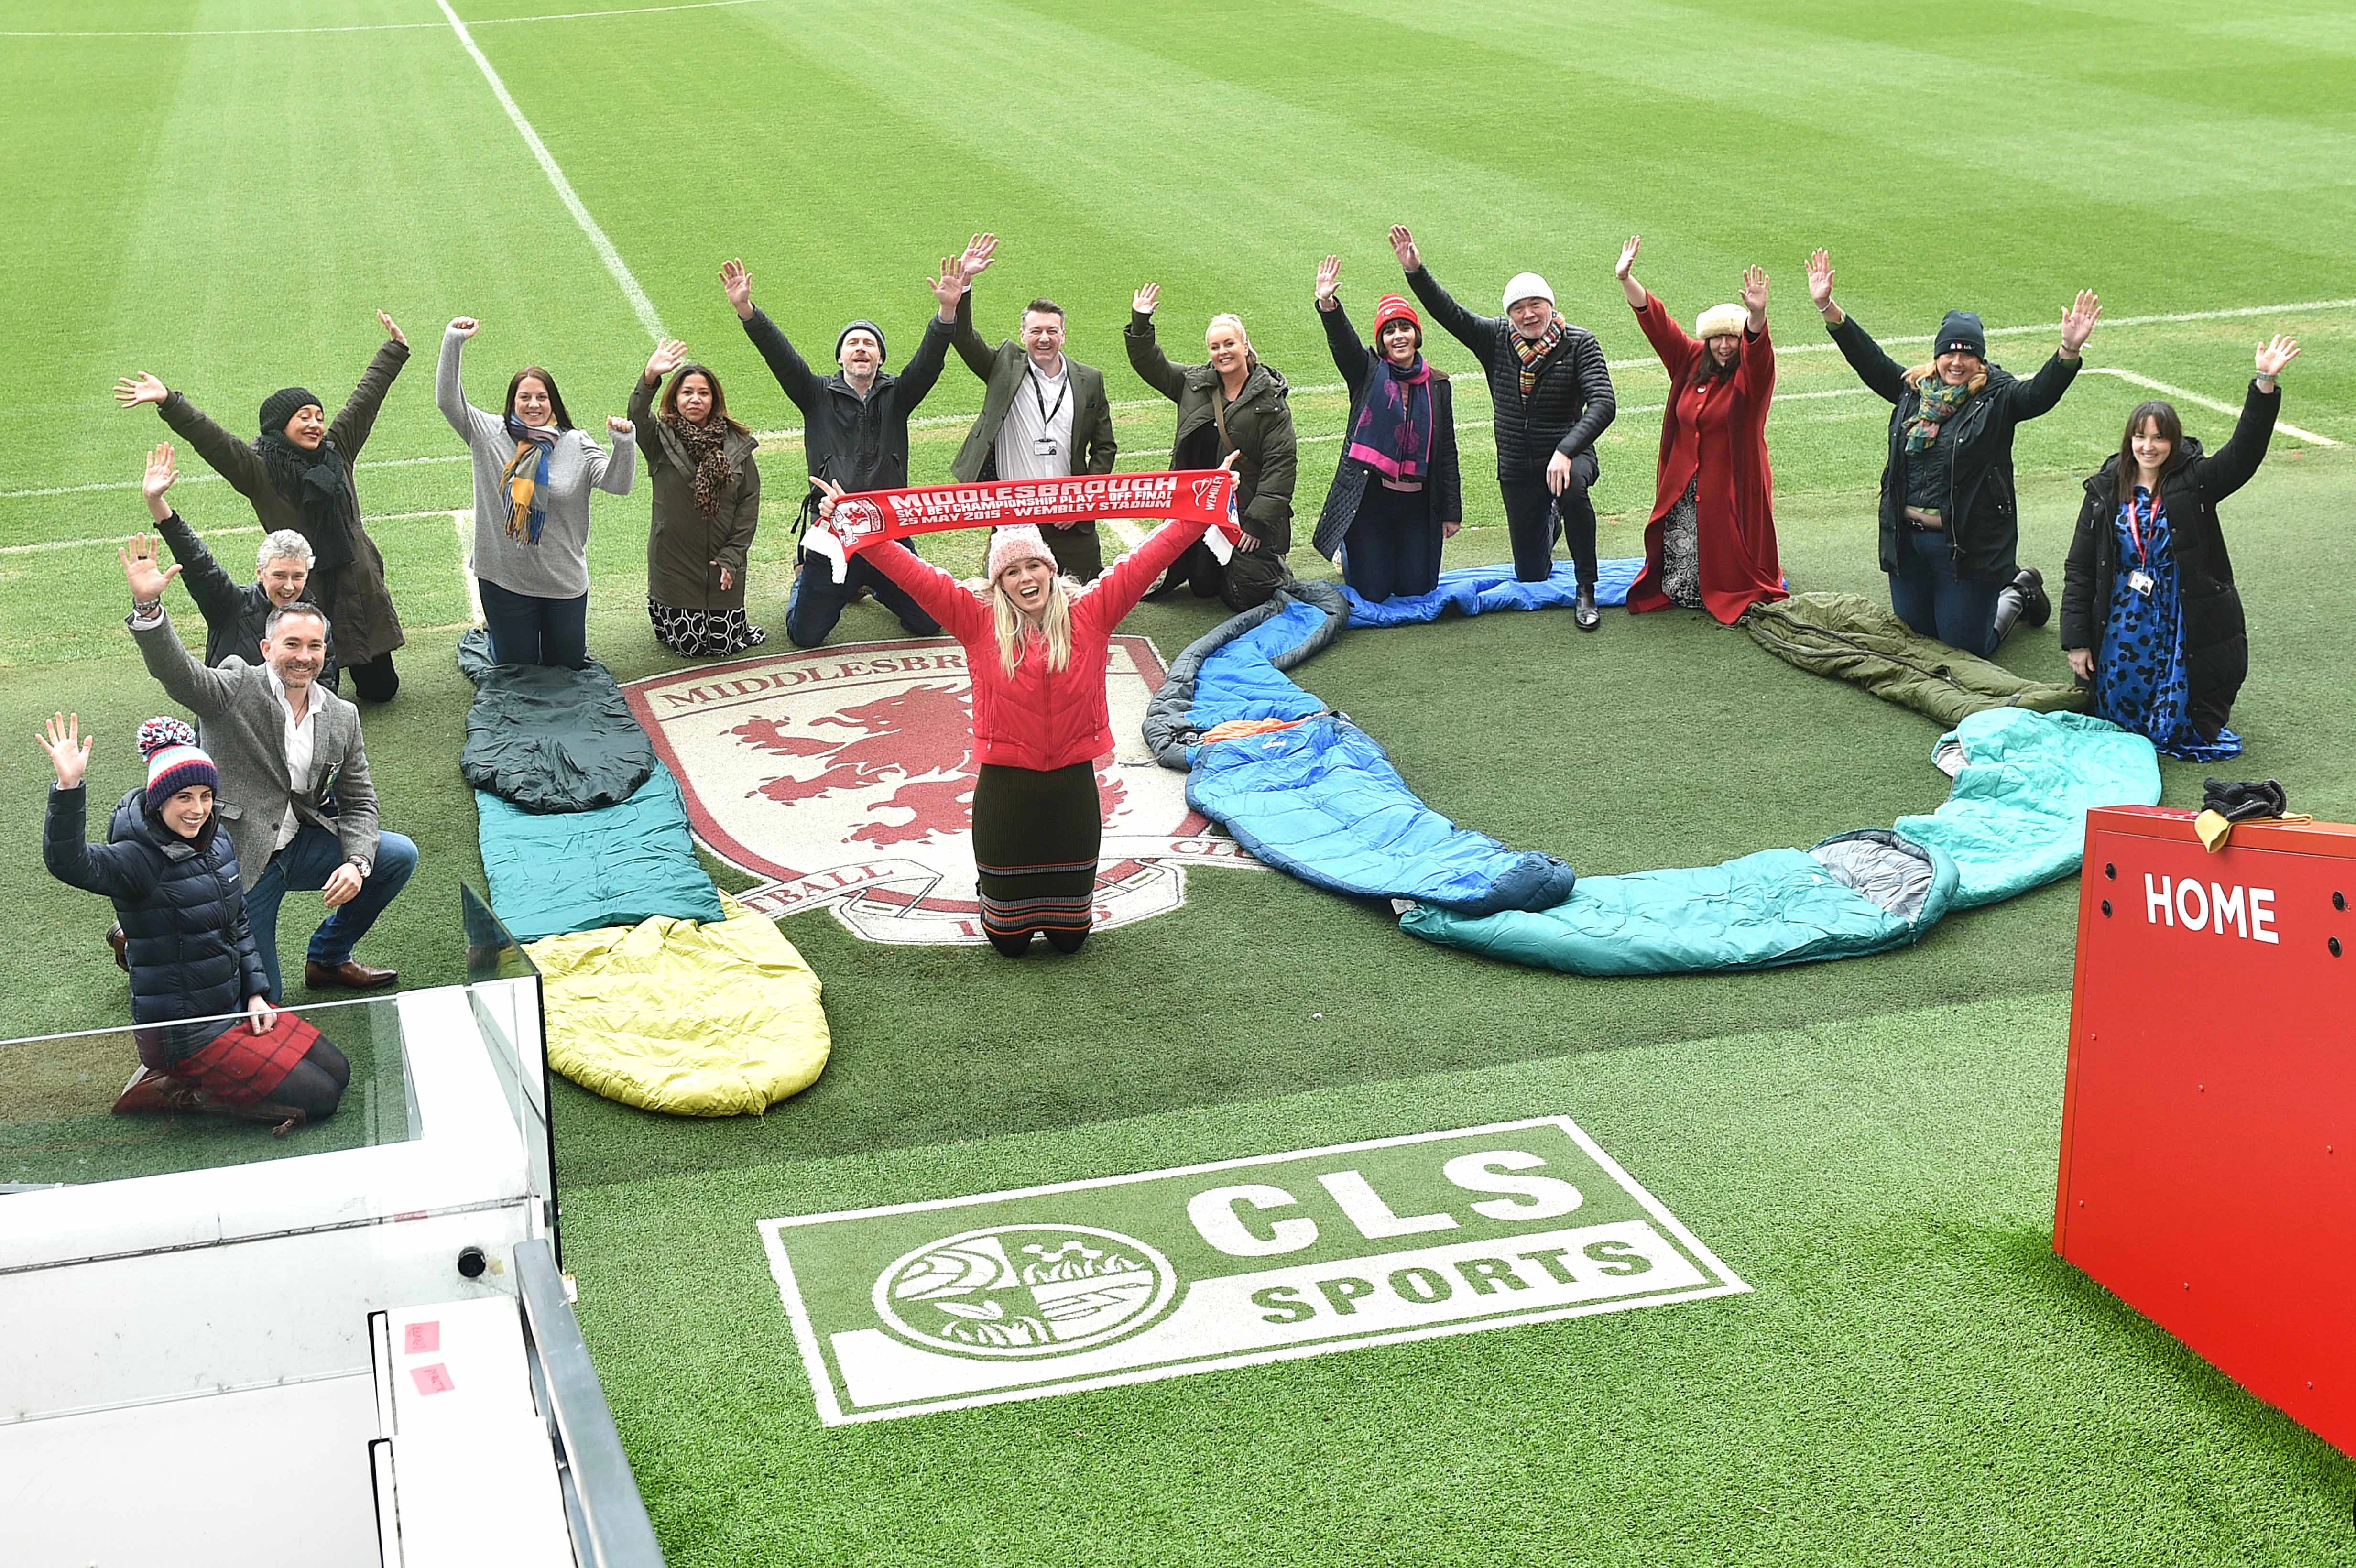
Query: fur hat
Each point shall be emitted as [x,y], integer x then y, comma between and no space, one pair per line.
[1962,333]
[175,761]
[284,404]
[862,324]
[1528,286]
[1721,319]
[1013,544]
[1394,307]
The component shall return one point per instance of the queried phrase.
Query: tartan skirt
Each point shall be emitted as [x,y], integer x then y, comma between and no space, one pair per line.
[1035,838]
[236,1066]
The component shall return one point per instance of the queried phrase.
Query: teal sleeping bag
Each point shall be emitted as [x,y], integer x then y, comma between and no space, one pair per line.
[553,872]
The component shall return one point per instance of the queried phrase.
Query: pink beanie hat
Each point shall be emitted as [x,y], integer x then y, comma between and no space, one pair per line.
[1019,542]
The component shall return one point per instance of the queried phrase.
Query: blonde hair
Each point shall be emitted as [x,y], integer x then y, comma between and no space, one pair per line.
[1921,374]
[1229,318]
[1055,625]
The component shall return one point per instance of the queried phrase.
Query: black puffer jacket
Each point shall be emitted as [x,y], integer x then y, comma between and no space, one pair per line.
[236,613]
[1982,514]
[179,900]
[2216,642]
[1571,404]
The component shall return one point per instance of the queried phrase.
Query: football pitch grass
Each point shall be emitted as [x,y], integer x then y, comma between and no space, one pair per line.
[222,193]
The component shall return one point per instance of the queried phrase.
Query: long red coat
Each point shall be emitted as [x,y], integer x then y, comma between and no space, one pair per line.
[1721,429]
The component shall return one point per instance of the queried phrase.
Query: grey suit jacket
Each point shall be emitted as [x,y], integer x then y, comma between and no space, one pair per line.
[245,734]
[1000,370]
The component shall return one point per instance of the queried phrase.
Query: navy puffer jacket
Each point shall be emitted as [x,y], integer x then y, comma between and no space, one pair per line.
[179,900]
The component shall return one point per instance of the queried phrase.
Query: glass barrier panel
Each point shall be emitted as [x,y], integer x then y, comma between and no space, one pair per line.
[64,1116]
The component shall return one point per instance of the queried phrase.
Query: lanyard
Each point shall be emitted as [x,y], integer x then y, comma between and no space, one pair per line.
[1047,414]
[2134,533]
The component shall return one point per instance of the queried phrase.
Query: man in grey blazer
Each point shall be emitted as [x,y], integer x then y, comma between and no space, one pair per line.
[286,747]
[1044,415]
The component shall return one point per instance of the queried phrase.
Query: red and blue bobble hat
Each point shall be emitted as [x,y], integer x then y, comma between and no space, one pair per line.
[1394,307]
[175,761]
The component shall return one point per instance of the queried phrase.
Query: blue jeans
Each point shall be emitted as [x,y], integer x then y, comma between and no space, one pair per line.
[1928,596]
[304,866]
[527,629]
[818,601]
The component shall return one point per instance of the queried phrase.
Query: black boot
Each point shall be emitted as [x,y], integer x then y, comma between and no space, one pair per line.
[1585,615]
[2036,608]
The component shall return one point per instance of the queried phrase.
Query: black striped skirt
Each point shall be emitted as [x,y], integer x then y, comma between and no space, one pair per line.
[1035,837]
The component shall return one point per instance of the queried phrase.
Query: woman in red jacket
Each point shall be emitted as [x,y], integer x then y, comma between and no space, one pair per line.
[1711,543]
[1035,652]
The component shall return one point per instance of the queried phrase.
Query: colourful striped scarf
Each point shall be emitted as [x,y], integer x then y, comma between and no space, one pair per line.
[526,479]
[1533,355]
[1939,403]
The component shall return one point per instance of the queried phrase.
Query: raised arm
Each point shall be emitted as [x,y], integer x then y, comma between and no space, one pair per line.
[792,371]
[349,432]
[1477,333]
[215,592]
[228,456]
[115,870]
[945,599]
[1883,376]
[2232,466]
[612,473]
[978,356]
[669,355]
[1145,356]
[932,355]
[1755,376]
[2040,392]
[1350,356]
[1116,593]
[1676,350]
[473,424]
[204,692]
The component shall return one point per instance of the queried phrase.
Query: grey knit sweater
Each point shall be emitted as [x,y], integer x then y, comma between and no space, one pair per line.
[557,566]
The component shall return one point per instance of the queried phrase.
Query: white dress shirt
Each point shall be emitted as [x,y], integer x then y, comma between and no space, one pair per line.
[299,735]
[1041,408]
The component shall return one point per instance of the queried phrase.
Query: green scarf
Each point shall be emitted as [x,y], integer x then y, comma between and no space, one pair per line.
[1939,403]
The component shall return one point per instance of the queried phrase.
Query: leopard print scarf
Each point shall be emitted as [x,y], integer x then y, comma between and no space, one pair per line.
[706,446]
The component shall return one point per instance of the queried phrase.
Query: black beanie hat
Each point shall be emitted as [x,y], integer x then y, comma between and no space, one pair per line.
[282,405]
[1962,333]
[862,324]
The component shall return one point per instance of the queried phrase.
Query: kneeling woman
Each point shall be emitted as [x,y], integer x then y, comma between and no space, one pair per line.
[1398,493]
[172,876]
[2150,613]
[1711,541]
[707,504]
[1034,651]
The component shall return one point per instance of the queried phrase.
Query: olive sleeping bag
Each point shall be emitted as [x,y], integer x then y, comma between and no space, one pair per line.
[1846,638]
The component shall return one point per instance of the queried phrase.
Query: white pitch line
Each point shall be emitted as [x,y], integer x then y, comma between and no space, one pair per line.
[45,546]
[376,26]
[2149,384]
[1130,534]
[604,247]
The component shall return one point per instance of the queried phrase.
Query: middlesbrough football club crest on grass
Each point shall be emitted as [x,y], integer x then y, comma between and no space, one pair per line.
[845,776]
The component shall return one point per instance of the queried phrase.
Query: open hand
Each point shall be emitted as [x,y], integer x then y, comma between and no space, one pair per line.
[979,251]
[1329,278]
[1145,299]
[343,887]
[139,570]
[669,355]
[133,391]
[1628,257]
[391,329]
[162,473]
[949,287]
[1754,295]
[737,284]
[466,325]
[68,747]
[1820,279]
[617,425]
[1410,260]
[2272,355]
[2079,324]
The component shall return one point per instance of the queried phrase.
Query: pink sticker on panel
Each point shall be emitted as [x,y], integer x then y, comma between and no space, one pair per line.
[434,1379]
[421,1339]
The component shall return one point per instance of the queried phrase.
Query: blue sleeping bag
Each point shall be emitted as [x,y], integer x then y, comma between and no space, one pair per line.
[1478,590]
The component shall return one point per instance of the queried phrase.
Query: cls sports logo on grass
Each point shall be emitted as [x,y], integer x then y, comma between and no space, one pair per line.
[1005,1296]
[845,775]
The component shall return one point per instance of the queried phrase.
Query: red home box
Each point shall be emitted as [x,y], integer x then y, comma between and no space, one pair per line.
[2208,1123]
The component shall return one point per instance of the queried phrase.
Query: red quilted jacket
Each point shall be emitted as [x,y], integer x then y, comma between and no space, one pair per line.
[1037,717]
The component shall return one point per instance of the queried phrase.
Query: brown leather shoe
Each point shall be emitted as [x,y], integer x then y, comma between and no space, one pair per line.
[121,945]
[350,975]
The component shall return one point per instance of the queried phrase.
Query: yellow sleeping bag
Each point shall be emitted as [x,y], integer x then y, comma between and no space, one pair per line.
[712,1019]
